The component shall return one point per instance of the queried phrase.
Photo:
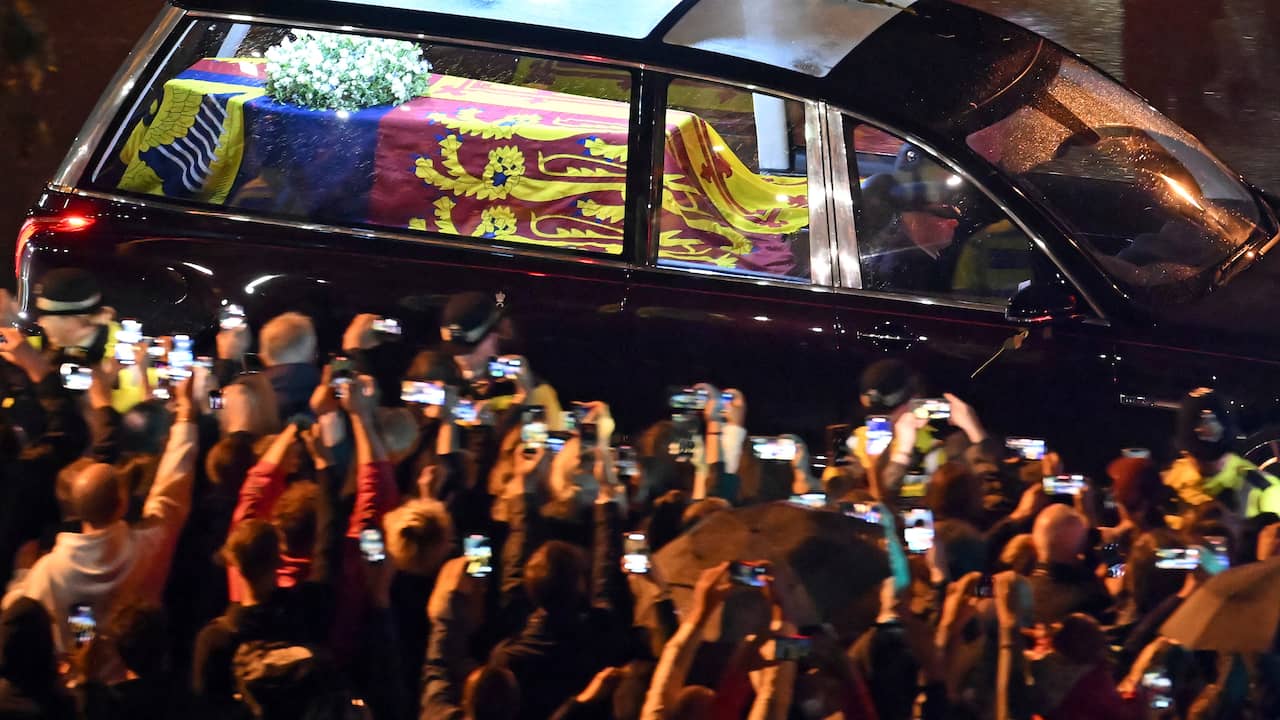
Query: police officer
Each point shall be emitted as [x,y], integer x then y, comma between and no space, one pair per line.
[1208,470]
[77,327]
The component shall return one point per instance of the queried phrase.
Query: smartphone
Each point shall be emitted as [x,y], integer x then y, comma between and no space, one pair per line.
[773,448]
[1177,558]
[635,553]
[1136,452]
[931,408]
[372,546]
[914,485]
[465,413]
[726,399]
[556,441]
[627,464]
[127,339]
[155,349]
[1027,448]
[879,434]
[302,421]
[1159,689]
[505,367]
[684,431]
[917,526]
[479,554]
[689,398]
[1111,556]
[231,317]
[1064,484]
[751,574]
[417,392]
[76,377]
[1218,545]
[791,647]
[387,326]
[865,512]
[215,399]
[569,420]
[533,435]
[181,354]
[342,371]
[985,587]
[810,500]
[82,624]
[839,452]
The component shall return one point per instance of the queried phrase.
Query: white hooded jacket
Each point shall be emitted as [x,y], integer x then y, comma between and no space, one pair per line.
[121,562]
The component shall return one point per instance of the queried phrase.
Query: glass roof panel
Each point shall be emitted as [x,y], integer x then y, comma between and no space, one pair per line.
[809,36]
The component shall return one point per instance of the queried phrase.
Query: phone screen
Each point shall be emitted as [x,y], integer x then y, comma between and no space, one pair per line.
[1064,484]
[82,624]
[128,337]
[985,587]
[1177,558]
[767,448]
[811,500]
[932,409]
[371,545]
[417,392]
[914,485]
[689,399]
[879,434]
[387,326]
[1027,448]
[749,574]
[231,317]
[1159,687]
[181,355]
[865,512]
[215,399]
[635,553]
[533,435]
[917,526]
[76,377]
[465,412]
[791,647]
[479,554]
[627,463]
[505,367]
[1218,545]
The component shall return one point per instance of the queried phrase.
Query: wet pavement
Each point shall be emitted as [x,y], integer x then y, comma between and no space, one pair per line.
[1211,65]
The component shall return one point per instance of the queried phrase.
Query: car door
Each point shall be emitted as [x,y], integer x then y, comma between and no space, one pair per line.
[929,279]
[737,291]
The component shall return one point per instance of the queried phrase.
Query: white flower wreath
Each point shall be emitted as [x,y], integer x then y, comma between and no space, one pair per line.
[331,71]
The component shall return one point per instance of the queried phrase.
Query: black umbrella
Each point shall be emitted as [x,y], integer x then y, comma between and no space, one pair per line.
[833,563]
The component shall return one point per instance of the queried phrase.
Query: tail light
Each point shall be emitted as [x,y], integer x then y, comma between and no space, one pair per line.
[56,223]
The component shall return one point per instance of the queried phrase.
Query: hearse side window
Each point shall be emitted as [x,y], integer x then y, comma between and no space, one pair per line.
[351,130]
[923,230]
[735,184]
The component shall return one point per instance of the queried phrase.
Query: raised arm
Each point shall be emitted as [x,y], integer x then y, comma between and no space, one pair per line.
[169,501]
[677,655]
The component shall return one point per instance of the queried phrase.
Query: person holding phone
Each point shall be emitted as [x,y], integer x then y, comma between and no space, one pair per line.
[111,558]
[287,349]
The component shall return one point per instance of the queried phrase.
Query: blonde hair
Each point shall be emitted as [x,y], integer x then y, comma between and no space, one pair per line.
[288,338]
[418,535]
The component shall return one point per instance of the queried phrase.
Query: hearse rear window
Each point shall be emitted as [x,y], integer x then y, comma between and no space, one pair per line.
[346,129]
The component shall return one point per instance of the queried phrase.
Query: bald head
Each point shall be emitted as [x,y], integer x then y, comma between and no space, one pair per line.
[97,496]
[1059,534]
[491,693]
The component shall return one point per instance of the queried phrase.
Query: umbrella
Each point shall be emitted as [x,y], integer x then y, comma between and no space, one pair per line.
[1236,611]
[832,563]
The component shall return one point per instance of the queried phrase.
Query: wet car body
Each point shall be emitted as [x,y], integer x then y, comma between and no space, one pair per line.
[1095,367]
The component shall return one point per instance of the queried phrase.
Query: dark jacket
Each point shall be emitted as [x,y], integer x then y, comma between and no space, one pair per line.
[293,384]
[555,656]
[29,686]
[1060,590]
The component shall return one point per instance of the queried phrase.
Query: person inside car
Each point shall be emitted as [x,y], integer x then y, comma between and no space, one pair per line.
[1208,470]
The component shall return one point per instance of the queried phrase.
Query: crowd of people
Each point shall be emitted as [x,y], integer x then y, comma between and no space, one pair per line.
[396,533]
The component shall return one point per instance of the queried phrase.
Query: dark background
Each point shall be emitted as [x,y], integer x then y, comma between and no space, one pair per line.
[1209,64]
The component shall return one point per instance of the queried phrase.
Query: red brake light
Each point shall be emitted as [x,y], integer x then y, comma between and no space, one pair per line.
[57,223]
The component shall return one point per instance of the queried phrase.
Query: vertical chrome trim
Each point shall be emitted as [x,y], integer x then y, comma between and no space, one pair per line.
[846,249]
[118,90]
[820,229]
